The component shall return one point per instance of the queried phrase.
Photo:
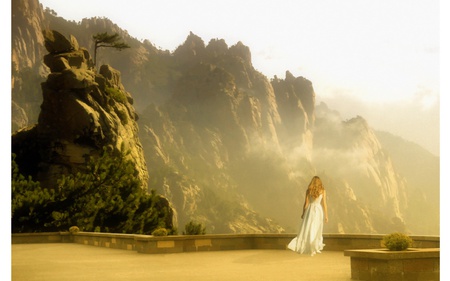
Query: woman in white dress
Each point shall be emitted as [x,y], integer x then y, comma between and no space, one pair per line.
[309,239]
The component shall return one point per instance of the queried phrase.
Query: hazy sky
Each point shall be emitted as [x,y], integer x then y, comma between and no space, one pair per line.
[385,53]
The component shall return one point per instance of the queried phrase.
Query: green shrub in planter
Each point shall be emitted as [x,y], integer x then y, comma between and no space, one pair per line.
[160,232]
[397,241]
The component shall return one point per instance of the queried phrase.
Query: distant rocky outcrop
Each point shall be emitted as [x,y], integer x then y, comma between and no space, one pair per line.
[350,151]
[220,112]
[421,170]
[82,112]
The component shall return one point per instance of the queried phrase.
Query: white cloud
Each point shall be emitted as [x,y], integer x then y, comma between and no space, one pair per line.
[427,98]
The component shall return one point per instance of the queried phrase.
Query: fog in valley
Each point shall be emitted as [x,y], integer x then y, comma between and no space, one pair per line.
[416,119]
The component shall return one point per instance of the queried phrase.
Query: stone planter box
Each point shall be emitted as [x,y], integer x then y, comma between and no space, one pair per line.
[414,264]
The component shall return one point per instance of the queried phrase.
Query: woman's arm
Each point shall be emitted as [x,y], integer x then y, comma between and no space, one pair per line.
[305,205]
[324,204]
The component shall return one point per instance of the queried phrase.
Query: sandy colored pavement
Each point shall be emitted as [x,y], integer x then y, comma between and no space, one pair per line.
[49,262]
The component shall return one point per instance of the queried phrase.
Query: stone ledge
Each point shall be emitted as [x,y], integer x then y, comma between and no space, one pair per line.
[385,254]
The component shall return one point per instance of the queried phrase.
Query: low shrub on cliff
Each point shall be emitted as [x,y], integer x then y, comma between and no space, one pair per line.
[106,197]
[116,94]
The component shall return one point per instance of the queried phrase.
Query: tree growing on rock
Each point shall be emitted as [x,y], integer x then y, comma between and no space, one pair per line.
[105,40]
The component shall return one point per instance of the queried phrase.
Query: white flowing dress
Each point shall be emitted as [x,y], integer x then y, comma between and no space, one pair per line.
[309,239]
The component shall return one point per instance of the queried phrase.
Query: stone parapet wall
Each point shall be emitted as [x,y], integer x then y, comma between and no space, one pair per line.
[107,240]
[210,242]
[221,242]
[42,237]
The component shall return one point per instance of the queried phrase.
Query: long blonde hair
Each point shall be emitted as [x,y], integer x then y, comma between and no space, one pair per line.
[315,187]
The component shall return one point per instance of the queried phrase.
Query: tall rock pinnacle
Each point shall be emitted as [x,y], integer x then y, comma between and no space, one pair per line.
[82,112]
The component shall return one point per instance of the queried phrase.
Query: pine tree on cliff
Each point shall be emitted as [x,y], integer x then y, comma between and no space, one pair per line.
[105,40]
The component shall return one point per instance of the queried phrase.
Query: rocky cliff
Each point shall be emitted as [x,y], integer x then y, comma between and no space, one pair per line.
[27,21]
[82,112]
[235,150]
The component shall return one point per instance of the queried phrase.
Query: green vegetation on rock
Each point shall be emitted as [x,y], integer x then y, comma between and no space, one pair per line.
[116,94]
[106,197]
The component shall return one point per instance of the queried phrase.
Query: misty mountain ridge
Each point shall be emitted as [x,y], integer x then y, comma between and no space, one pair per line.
[234,150]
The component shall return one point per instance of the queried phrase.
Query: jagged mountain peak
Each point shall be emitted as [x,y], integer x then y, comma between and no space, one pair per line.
[192,49]
[242,51]
[193,40]
[217,48]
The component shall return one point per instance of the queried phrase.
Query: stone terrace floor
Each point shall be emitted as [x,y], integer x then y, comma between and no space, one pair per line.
[63,261]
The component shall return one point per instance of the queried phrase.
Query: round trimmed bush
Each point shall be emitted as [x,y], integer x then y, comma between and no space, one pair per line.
[397,241]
